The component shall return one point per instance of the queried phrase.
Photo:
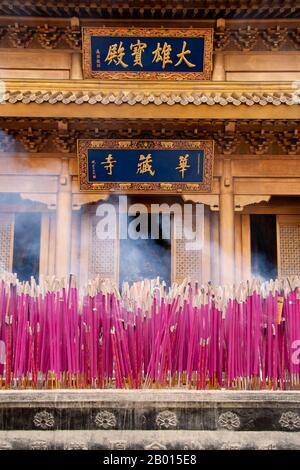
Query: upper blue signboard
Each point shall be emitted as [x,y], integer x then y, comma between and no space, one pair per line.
[172,54]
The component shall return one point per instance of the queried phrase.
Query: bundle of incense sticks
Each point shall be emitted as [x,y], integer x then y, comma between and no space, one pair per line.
[148,335]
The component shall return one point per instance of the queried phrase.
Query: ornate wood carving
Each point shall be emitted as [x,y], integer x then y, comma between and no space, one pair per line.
[245,38]
[211,200]
[32,140]
[45,198]
[259,141]
[72,36]
[53,35]
[226,143]
[290,142]
[148,9]
[240,201]
[247,137]
[78,200]
[48,36]
[274,37]
[19,35]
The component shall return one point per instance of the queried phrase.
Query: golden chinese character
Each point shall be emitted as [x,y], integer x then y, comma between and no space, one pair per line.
[162,54]
[138,48]
[98,57]
[183,164]
[109,163]
[182,57]
[145,165]
[115,54]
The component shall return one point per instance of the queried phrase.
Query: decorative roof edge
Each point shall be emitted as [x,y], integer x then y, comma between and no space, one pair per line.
[142,92]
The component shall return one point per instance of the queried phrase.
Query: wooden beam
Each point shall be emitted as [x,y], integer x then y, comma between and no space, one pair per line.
[271,186]
[150,111]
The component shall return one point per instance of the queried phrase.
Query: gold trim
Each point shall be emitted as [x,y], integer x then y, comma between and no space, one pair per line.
[157,86]
[83,145]
[206,33]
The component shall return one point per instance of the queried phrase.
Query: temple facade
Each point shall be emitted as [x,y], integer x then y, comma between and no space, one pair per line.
[250,109]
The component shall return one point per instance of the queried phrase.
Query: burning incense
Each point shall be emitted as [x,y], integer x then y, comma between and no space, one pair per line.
[200,337]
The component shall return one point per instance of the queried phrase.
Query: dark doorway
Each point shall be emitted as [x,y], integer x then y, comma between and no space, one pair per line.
[263,246]
[26,258]
[145,258]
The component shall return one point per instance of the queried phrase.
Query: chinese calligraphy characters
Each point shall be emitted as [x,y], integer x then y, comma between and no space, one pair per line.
[182,56]
[115,54]
[145,165]
[138,49]
[183,164]
[134,165]
[98,58]
[134,53]
[109,164]
[162,54]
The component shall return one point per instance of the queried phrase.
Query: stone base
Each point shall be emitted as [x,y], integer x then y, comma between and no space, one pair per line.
[149,419]
[149,440]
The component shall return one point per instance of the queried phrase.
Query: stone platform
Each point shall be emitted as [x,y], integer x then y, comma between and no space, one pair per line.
[149,419]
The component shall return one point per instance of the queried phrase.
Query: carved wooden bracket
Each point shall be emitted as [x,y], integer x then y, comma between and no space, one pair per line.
[45,198]
[79,199]
[211,200]
[240,201]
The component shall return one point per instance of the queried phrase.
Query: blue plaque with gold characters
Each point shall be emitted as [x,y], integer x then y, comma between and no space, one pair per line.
[132,166]
[147,54]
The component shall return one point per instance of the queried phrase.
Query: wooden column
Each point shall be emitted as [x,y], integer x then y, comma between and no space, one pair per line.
[63,222]
[246,246]
[44,244]
[75,247]
[227,225]
[215,245]
[219,73]
[52,241]
[219,67]
[76,66]
[238,247]
[85,245]
[206,271]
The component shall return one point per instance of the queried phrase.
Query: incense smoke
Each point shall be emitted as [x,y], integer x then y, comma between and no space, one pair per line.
[137,258]
[22,223]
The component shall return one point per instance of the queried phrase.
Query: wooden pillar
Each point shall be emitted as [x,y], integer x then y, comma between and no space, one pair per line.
[52,241]
[206,271]
[76,57]
[76,66]
[238,247]
[44,244]
[63,222]
[227,225]
[215,244]
[75,248]
[246,246]
[219,67]
[85,245]
[219,73]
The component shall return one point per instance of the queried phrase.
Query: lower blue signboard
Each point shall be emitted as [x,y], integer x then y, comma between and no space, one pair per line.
[163,166]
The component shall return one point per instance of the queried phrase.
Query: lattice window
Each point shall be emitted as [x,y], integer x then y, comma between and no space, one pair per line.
[188,262]
[6,236]
[102,254]
[289,249]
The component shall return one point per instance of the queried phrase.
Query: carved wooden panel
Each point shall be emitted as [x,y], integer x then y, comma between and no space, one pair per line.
[186,262]
[6,241]
[103,254]
[288,245]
